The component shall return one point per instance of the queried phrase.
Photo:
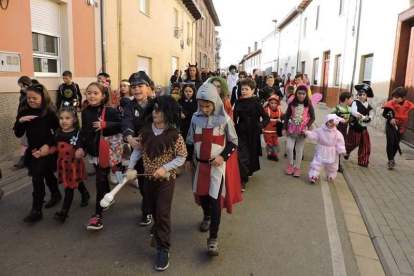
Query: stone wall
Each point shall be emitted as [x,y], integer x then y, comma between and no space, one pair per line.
[378,121]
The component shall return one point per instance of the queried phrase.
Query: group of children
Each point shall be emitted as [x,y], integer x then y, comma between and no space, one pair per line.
[200,128]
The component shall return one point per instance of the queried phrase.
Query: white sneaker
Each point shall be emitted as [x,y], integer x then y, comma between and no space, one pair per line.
[135,183]
[113,179]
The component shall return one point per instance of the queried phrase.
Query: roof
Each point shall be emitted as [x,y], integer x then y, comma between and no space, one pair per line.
[194,9]
[212,12]
[246,57]
[300,8]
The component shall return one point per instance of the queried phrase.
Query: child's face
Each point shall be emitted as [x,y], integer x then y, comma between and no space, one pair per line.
[124,88]
[157,91]
[362,97]
[217,84]
[140,91]
[192,71]
[273,104]
[301,95]
[270,82]
[299,81]
[158,117]
[66,120]
[34,100]
[246,91]
[94,96]
[330,124]
[398,99]
[188,93]
[206,107]
[24,89]
[241,77]
[289,91]
[349,101]
[175,90]
[102,79]
[67,79]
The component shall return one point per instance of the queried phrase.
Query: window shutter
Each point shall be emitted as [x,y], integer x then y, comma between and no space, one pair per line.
[45,17]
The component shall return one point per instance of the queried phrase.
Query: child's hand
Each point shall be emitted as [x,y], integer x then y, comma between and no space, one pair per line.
[283,132]
[217,161]
[36,154]
[367,118]
[159,173]
[345,121]
[134,142]
[188,166]
[26,119]
[44,150]
[344,154]
[182,116]
[393,122]
[265,104]
[80,153]
[98,125]
[358,116]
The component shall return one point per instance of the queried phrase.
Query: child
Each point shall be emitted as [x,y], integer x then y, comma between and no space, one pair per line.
[343,110]
[163,151]
[22,82]
[247,114]
[68,93]
[300,80]
[358,135]
[396,112]
[137,114]
[71,169]
[236,92]
[101,126]
[299,116]
[158,91]
[175,90]
[37,118]
[188,105]
[330,144]
[270,132]
[125,90]
[289,93]
[223,92]
[216,182]
[267,90]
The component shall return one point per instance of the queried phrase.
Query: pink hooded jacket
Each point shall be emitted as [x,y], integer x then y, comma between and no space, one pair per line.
[330,141]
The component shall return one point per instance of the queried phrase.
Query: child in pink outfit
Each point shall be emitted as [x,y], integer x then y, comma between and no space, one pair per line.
[330,144]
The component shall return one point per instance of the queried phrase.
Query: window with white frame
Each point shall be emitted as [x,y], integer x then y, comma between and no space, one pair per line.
[45,53]
[144,64]
[368,61]
[316,71]
[175,22]
[337,69]
[302,67]
[144,6]
[317,17]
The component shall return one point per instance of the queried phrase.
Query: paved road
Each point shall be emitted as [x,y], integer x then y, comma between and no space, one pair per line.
[279,229]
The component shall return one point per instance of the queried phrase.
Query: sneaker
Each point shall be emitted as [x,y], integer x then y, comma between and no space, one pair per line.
[146,219]
[329,179]
[152,231]
[205,224]
[296,172]
[95,223]
[212,247]
[162,259]
[243,187]
[270,157]
[135,183]
[107,207]
[289,169]
[34,216]
[112,178]
[313,179]
[391,164]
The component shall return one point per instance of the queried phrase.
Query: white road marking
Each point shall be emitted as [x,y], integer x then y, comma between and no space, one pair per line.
[338,262]
[17,188]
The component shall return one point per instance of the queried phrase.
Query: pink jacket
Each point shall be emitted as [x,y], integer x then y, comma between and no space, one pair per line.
[330,141]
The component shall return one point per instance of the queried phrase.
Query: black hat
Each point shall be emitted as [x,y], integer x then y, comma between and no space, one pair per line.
[139,77]
[364,88]
[124,102]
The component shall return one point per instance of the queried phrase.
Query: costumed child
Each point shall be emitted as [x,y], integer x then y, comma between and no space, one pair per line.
[396,112]
[270,89]
[68,93]
[37,119]
[273,129]
[289,93]
[223,92]
[236,92]
[216,181]
[125,90]
[101,126]
[188,105]
[358,135]
[158,91]
[299,116]
[175,90]
[343,110]
[330,145]
[248,113]
[69,143]
[163,151]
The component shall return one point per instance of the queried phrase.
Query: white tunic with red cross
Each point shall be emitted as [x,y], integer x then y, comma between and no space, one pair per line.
[209,143]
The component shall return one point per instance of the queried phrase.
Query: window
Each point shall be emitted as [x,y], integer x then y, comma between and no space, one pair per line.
[176,29]
[145,6]
[305,23]
[292,71]
[316,71]
[144,64]
[45,53]
[302,67]
[367,65]
[317,18]
[341,6]
[174,64]
[337,69]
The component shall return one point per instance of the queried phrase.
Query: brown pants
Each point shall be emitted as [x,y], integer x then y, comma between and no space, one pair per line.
[160,195]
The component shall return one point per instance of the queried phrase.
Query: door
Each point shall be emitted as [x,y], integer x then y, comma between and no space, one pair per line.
[409,85]
[174,64]
[327,56]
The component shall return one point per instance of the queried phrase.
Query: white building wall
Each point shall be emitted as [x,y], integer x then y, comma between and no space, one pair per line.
[270,51]
[289,43]
[252,63]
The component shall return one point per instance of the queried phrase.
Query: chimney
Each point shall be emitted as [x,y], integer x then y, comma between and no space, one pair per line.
[249,50]
[255,46]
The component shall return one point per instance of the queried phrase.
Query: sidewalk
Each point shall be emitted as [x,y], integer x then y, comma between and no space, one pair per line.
[385,199]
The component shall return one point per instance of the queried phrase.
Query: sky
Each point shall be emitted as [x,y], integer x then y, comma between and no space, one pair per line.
[245,21]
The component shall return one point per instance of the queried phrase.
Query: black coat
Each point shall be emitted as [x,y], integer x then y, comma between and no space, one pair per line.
[174,79]
[188,108]
[135,117]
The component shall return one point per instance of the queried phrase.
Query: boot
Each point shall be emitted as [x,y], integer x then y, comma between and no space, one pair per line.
[54,199]
[35,215]
[20,164]
[85,199]
[61,216]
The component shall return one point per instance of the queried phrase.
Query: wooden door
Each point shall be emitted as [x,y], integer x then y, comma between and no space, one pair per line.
[409,85]
[327,56]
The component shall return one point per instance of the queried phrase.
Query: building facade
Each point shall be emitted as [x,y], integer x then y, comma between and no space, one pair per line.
[252,60]
[206,35]
[42,47]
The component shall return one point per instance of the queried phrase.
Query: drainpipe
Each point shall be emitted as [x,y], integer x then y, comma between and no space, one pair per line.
[298,55]
[356,44]
[119,41]
[278,50]
[103,38]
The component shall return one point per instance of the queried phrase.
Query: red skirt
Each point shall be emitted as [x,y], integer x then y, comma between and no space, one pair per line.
[71,170]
